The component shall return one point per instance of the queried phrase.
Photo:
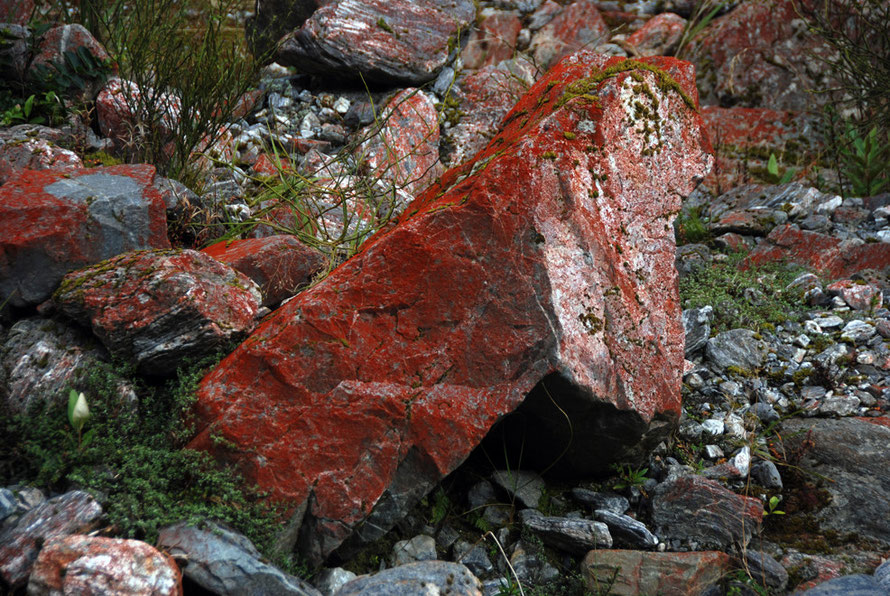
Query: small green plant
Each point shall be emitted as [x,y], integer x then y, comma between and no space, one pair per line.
[704,13]
[78,414]
[772,168]
[43,108]
[690,229]
[629,476]
[74,72]
[866,161]
[772,506]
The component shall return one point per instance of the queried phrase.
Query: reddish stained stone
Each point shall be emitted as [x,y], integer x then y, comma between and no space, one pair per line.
[63,38]
[824,254]
[578,25]
[641,572]
[859,296]
[493,41]
[551,252]
[35,154]
[659,36]
[16,11]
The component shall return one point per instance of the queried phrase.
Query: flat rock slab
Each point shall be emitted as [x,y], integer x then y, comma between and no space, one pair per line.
[52,223]
[427,577]
[95,566]
[629,573]
[550,254]
[70,513]
[161,307]
[852,453]
[376,40]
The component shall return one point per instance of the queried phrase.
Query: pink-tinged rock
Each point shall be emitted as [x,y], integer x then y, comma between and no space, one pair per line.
[630,572]
[760,54]
[161,307]
[122,110]
[857,295]
[16,11]
[578,25]
[829,256]
[484,98]
[53,223]
[404,150]
[279,265]
[384,42]
[732,242]
[743,139]
[97,566]
[56,42]
[493,42]
[659,36]
[270,166]
[274,18]
[697,510]
[756,221]
[70,513]
[549,255]
[35,154]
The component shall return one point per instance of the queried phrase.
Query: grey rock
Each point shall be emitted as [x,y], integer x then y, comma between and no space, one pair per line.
[839,405]
[829,322]
[765,570]
[14,53]
[853,454]
[530,565]
[848,585]
[329,581]
[858,332]
[596,500]
[475,557]
[695,509]
[765,412]
[690,257]
[697,324]
[70,513]
[429,577]
[526,486]
[8,503]
[419,548]
[626,531]
[225,562]
[482,493]
[573,535]
[882,575]
[713,452]
[446,537]
[737,347]
[714,427]
[767,474]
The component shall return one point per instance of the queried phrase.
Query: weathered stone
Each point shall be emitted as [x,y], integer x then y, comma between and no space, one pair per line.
[121,111]
[329,581]
[272,19]
[767,474]
[571,534]
[578,25]
[96,566]
[70,513]
[405,149]
[659,36]
[526,486]
[400,361]
[474,556]
[160,307]
[857,332]
[280,265]
[384,42]
[437,577]
[17,501]
[764,569]
[51,50]
[848,585]
[530,564]
[629,573]
[52,223]
[35,154]
[857,295]
[596,500]
[626,531]
[42,359]
[740,348]
[756,221]
[697,324]
[493,41]
[16,11]
[852,453]
[14,48]
[223,561]
[695,509]
[419,548]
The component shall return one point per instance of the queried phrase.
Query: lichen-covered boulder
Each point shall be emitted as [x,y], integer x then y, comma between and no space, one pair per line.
[161,307]
[52,223]
[578,25]
[550,255]
[384,42]
[96,566]
[493,41]
[20,152]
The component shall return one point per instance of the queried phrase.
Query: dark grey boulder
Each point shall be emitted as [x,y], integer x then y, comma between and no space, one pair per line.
[627,531]
[428,577]
[848,585]
[570,534]
[740,348]
[697,324]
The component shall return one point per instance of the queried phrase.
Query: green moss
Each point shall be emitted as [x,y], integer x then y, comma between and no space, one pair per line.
[549,155]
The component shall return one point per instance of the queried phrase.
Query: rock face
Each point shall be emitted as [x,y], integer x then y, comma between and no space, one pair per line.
[576,26]
[160,307]
[385,42]
[94,566]
[653,573]
[428,577]
[549,255]
[273,18]
[22,149]
[46,218]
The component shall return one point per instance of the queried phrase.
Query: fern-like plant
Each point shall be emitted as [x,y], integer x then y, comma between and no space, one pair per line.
[866,161]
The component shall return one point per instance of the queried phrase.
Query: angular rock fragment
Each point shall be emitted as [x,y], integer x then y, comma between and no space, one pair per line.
[627,531]
[161,307]
[436,577]
[93,566]
[548,256]
[739,348]
[629,573]
[571,534]
[659,36]
[578,25]
[493,41]
[52,223]
[26,147]
[377,41]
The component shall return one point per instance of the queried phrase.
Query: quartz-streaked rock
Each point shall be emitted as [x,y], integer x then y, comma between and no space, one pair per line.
[630,572]
[597,500]
[697,323]
[738,348]
[573,535]
[436,577]
[627,531]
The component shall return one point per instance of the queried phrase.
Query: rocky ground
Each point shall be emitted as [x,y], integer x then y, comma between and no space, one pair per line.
[500,392]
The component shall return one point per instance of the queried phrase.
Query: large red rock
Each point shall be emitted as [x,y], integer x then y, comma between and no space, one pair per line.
[161,307]
[578,25]
[35,154]
[52,223]
[376,40]
[58,41]
[549,255]
[630,572]
[404,148]
[832,257]
[280,265]
[760,54]
[96,566]
[493,41]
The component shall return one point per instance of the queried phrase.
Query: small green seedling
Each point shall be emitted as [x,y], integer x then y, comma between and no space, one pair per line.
[773,168]
[771,506]
[629,476]
[78,414]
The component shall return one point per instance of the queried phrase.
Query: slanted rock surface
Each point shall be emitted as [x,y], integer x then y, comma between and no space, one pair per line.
[160,307]
[628,573]
[436,577]
[52,223]
[549,255]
